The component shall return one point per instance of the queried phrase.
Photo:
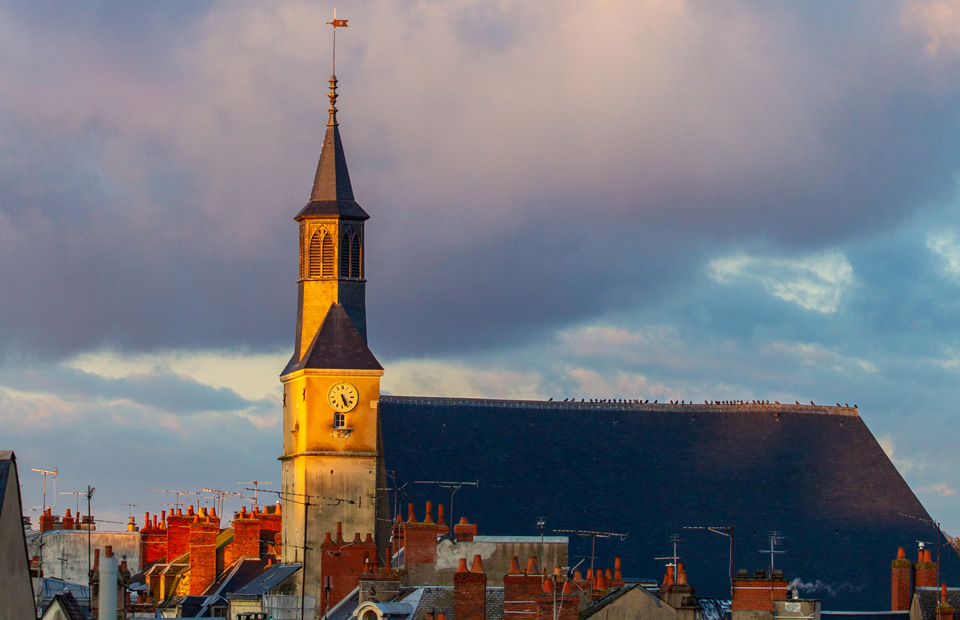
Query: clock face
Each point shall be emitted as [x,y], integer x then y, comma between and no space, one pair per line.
[342,397]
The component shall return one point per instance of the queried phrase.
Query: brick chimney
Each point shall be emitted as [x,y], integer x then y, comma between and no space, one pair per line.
[520,591]
[203,553]
[47,520]
[68,523]
[680,594]
[178,533]
[420,548]
[246,535]
[944,609]
[153,542]
[557,597]
[381,585]
[398,538]
[925,570]
[343,565]
[470,591]
[900,582]
[757,594]
[617,581]
[464,531]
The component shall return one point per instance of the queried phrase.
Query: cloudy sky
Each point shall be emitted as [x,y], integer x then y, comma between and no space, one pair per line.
[643,199]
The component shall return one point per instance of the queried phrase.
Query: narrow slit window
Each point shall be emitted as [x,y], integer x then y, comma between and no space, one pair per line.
[355,271]
[345,255]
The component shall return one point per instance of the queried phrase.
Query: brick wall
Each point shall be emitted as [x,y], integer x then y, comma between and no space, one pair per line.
[900,582]
[343,563]
[153,541]
[203,553]
[470,591]
[757,594]
[520,591]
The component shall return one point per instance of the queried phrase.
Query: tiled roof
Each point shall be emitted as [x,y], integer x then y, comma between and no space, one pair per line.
[815,474]
[268,580]
[927,598]
[69,605]
[436,599]
[337,345]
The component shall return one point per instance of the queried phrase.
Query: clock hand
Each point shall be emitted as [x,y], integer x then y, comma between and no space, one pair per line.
[343,397]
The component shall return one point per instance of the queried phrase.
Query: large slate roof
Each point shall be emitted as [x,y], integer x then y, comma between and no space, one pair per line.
[814,474]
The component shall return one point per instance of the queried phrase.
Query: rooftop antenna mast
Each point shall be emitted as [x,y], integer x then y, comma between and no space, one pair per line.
[78,494]
[936,526]
[593,539]
[220,495]
[45,472]
[675,540]
[453,486]
[775,539]
[723,531]
[90,491]
[176,493]
[256,486]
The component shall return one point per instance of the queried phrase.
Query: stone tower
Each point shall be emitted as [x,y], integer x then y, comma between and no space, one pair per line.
[332,456]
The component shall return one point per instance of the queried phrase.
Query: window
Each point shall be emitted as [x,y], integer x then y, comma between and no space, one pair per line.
[321,254]
[339,421]
[350,254]
[355,257]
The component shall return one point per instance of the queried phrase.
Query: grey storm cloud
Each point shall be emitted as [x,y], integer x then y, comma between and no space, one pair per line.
[524,168]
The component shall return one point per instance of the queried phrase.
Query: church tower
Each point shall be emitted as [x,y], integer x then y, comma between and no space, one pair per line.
[332,457]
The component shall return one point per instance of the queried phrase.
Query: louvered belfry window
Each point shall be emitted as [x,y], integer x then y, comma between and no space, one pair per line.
[350,259]
[321,254]
[355,271]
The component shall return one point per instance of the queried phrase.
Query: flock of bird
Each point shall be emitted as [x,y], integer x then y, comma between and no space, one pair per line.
[638,401]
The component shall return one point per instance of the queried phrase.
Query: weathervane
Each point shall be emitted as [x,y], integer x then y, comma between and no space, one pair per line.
[336,23]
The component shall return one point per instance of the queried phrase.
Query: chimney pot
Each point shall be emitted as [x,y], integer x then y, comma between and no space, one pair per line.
[514,566]
[462,566]
[568,587]
[477,564]
[108,551]
[548,585]
[901,554]
[411,515]
[428,518]
[532,568]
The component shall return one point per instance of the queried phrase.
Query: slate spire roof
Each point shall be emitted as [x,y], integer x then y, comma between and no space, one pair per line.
[332,193]
[337,345]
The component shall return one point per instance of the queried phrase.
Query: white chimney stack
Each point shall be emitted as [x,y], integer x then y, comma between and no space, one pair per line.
[108,586]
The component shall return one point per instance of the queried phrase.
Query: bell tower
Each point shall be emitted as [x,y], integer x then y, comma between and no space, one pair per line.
[332,456]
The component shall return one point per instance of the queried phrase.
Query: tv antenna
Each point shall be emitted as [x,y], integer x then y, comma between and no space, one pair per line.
[593,539]
[176,493]
[78,494]
[453,486]
[775,539]
[256,486]
[47,472]
[723,531]
[219,496]
[675,540]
